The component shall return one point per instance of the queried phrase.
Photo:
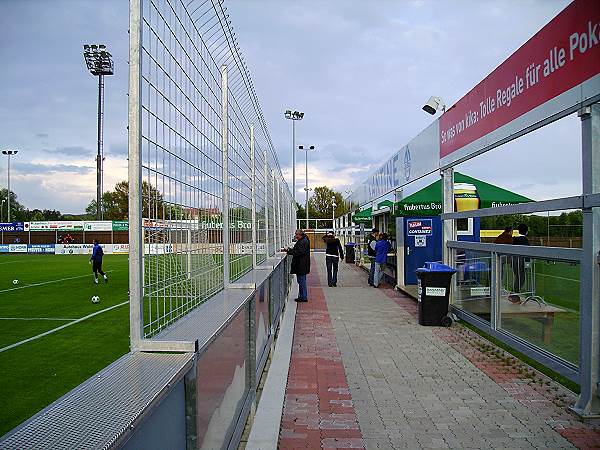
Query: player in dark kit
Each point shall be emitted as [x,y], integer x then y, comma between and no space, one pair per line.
[96,260]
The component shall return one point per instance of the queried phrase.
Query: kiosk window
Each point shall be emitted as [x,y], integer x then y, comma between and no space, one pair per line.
[464,226]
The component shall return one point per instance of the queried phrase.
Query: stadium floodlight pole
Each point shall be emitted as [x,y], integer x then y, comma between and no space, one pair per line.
[293,116]
[99,62]
[9,153]
[306,188]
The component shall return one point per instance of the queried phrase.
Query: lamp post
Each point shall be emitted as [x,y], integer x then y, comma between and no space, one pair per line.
[9,153]
[99,62]
[306,188]
[294,116]
[333,214]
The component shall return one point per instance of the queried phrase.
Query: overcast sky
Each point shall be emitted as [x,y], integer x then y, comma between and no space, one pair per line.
[359,70]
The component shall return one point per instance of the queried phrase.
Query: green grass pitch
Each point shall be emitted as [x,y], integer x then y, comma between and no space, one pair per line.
[54,290]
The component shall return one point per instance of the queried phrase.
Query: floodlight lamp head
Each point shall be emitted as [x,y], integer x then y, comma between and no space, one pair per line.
[312,147]
[288,114]
[10,152]
[434,104]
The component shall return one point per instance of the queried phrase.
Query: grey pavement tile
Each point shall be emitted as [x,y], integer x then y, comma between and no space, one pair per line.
[410,389]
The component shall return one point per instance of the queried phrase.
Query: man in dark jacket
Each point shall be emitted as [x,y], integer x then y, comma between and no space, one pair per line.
[300,263]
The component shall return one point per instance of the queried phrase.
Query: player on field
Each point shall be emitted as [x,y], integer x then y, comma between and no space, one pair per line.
[96,260]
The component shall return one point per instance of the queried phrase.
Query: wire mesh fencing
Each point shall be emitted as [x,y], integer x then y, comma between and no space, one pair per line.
[205,184]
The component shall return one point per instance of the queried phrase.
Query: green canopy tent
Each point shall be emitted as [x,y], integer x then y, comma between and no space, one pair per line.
[364,216]
[428,201]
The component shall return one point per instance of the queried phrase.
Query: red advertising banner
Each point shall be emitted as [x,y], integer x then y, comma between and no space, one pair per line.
[562,55]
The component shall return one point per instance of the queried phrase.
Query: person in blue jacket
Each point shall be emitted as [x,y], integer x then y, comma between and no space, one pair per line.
[96,260]
[382,248]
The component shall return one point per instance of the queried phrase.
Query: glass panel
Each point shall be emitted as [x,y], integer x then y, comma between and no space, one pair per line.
[472,291]
[222,384]
[539,302]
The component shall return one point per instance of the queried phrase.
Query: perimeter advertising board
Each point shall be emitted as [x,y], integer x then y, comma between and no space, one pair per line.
[120,225]
[56,225]
[552,74]
[12,226]
[40,248]
[98,225]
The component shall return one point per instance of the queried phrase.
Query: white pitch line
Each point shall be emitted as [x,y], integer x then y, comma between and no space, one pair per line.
[14,262]
[16,344]
[50,282]
[35,318]
[557,277]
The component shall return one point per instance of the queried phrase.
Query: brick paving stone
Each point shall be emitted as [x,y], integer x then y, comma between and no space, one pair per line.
[318,411]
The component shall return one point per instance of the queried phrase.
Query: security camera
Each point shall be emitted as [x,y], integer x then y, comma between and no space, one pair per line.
[434,104]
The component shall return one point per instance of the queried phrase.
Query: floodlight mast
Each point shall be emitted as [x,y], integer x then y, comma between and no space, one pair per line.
[294,116]
[99,62]
[9,153]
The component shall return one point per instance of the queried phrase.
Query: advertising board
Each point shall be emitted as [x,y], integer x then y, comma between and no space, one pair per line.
[4,248]
[74,249]
[421,227]
[120,248]
[120,225]
[57,225]
[98,225]
[40,248]
[12,226]
[558,69]
[17,248]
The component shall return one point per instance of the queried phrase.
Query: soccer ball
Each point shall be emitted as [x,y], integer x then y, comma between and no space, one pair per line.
[15,281]
[95,299]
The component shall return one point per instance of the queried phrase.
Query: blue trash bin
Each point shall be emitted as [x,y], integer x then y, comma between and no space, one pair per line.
[434,292]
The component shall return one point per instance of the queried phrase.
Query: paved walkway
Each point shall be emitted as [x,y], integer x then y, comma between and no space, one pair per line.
[364,374]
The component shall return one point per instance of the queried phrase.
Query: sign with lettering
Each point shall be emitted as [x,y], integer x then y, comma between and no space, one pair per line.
[420,227]
[562,58]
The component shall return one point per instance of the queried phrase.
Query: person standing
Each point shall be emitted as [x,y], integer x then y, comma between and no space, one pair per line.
[300,263]
[372,241]
[333,253]
[96,260]
[518,262]
[382,248]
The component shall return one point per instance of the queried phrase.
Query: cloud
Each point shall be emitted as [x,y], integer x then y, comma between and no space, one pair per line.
[37,169]
[70,151]
[41,135]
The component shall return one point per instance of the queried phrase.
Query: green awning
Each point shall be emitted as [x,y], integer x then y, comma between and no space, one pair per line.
[385,203]
[428,201]
[364,216]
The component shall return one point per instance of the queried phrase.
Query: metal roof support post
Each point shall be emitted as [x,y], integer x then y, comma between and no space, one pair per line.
[225,166]
[253,163]
[588,403]
[136,244]
[448,226]
[266,181]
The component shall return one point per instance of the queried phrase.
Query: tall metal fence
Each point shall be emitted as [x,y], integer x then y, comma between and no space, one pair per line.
[200,153]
